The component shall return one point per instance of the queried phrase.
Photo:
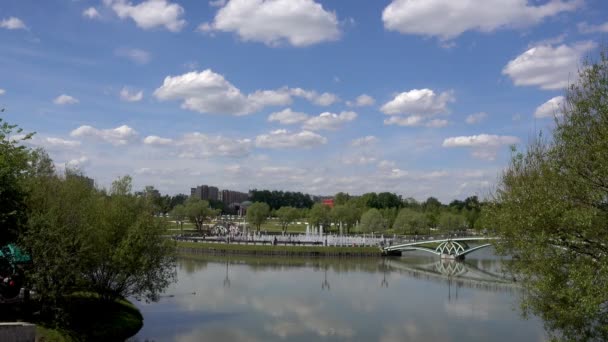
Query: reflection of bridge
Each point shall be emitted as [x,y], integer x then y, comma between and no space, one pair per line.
[455,248]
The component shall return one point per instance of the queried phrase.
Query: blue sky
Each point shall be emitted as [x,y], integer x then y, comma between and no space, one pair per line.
[418,97]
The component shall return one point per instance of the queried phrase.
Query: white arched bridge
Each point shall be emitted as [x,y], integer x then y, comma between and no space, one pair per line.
[452,248]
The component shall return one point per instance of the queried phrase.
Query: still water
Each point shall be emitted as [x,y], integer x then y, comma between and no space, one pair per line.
[412,298]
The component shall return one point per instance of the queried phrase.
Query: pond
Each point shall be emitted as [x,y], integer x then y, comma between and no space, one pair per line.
[410,298]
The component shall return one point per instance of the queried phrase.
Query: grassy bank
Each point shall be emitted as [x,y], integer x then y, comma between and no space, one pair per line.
[90,319]
[239,249]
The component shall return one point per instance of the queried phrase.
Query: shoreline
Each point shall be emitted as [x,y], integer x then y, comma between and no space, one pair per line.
[280,250]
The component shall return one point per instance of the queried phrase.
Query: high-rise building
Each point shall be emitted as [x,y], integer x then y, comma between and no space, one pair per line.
[205,192]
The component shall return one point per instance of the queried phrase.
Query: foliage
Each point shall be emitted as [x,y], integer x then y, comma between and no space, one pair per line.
[372,221]
[346,214]
[449,221]
[287,215]
[410,221]
[257,213]
[319,215]
[198,211]
[551,209]
[83,239]
[179,215]
[14,158]
[276,199]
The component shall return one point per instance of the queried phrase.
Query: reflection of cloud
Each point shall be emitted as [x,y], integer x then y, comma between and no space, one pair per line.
[218,334]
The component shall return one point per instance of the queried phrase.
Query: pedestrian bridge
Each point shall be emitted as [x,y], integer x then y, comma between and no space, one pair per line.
[452,248]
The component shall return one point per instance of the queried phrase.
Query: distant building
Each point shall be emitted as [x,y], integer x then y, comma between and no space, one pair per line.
[328,202]
[206,192]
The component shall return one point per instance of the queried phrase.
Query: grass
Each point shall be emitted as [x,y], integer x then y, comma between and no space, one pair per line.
[91,319]
[221,248]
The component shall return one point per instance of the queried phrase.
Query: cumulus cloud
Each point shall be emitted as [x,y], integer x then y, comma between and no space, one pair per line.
[546,66]
[210,92]
[138,56]
[130,95]
[12,23]
[288,117]
[476,118]
[428,17]
[364,141]
[329,121]
[78,163]
[586,28]
[273,22]
[362,101]
[121,135]
[281,138]
[54,143]
[156,140]
[2,91]
[324,99]
[485,146]
[550,108]
[150,13]
[417,107]
[64,99]
[91,13]
[419,101]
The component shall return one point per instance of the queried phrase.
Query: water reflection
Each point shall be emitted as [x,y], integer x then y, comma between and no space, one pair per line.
[266,299]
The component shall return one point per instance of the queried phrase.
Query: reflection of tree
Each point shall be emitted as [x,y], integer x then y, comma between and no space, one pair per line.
[384,282]
[325,283]
[227,279]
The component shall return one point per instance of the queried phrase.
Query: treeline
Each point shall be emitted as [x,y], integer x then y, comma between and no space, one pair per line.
[277,199]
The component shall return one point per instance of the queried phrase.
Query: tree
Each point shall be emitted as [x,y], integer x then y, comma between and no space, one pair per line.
[198,211]
[410,221]
[551,211]
[14,159]
[372,221]
[84,239]
[341,198]
[179,215]
[286,216]
[450,221]
[257,213]
[319,215]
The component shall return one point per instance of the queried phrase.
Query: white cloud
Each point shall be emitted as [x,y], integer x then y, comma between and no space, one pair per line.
[324,99]
[138,56]
[359,160]
[481,140]
[210,92]
[64,99]
[13,23]
[150,13]
[485,146]
[199,145]
[364,141]
[156,140]
[91,13]
[476,118]
[586,28]
[408,121]
[437,123]
[419,102]
[52,142]
[362,101]
[129,95]
[78,163]
[550,108]
[2,91]
[121,135]
[329,121]
[546,66]
[288,117]
[284,139]
[447,19]
[273,22]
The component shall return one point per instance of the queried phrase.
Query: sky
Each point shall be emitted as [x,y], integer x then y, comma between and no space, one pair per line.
[417,97]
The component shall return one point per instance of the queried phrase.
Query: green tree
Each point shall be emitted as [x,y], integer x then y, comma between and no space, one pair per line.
[179,215]
[450,221]
[198,211]
[286,216]
[319,215]
[372,221]
[347,215]
[551,210]
[83,239]
[14,159]
[410,221]
[257,214]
